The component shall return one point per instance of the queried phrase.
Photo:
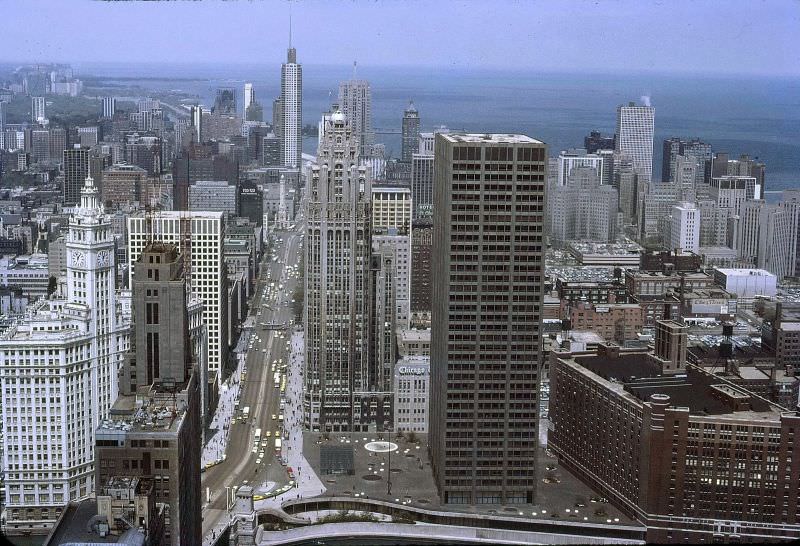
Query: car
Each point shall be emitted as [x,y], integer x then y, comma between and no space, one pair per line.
[274,417]
[258,460]
[269,433]
[255,450]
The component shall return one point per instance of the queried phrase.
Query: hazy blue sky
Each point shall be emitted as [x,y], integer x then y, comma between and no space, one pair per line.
[737,36]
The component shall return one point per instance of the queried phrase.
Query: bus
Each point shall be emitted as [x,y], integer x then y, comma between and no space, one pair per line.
[257,438]
[277,378]
[283,385]
[246,412]
[278,446]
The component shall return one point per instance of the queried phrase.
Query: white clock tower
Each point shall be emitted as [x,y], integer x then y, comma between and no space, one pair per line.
[91,287]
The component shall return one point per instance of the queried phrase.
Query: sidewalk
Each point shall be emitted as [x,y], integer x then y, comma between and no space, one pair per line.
[219,428]
[308,483]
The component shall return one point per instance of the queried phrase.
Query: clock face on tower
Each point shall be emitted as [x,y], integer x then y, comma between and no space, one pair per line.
[78,259]
[104,258]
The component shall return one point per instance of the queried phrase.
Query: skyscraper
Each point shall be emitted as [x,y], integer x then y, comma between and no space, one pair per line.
[596,141]
[249,95]
[160,375]
[292,110]
[199,236]
[410,132]
[635,136]
[37,110]
[196,116]
[685,228]
[487,297]
[337,260]
[355,100]
[109,107]
[76,169]
[58,375]
[697,150]
[225,101]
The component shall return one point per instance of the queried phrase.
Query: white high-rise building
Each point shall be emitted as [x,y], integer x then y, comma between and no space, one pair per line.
[685,228]
[109,107]
[765,235]
[635,136]
[58,376]
[199,236]
[577,157]
[355,100]
[292,110]
[37,110]
[248,96]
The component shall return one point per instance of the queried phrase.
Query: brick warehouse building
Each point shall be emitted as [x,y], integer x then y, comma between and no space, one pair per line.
[693,457]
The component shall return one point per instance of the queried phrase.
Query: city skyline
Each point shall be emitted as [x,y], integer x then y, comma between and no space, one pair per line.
[560,35]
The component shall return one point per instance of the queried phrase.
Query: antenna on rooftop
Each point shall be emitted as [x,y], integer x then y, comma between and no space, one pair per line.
[290,25]
[355,65]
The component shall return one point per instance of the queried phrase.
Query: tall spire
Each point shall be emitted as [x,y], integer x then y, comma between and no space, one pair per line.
[355,64]
[290,25]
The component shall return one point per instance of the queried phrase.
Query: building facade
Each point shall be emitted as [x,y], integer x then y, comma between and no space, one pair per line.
[489,189]
[292,111]
[410,133]
[635,136]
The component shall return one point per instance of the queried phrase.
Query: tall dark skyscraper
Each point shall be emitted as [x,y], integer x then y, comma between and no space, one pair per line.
[410,132]
[595,141]
[673,147]
[154,432]
[487,293]
[76,169]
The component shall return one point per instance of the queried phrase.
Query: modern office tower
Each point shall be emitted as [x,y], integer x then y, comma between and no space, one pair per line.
[123,184]
[487,295]
[337,259]
[251,202]
[583,209]
[196,116]
[58,377]
[422,174]
[292,110]
[410,132]
[76,169]
[270,151]
[3,115]
[249,95]
[793,196]
[199,236]
[685,228]
[37,110]
[40,145]
[596,141]
[155,427]
[391,207]
[88,136]
[578,157]
[58,143]
[212,195]
[355,101]
[225,101]
[673,147]
[765,236]
[635,136]
[109,107]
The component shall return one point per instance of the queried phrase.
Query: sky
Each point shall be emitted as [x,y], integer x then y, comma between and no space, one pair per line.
[731,36]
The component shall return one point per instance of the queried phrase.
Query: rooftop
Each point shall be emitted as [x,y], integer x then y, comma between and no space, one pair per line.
[489,138]
[640,375]
[155,412]
[75,526]
[744,271]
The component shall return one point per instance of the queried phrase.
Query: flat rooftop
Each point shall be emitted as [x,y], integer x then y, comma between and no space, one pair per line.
[489,138]
[74,528]
[641,376]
